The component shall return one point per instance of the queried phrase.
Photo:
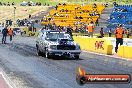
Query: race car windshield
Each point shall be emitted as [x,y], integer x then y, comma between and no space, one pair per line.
[56,36]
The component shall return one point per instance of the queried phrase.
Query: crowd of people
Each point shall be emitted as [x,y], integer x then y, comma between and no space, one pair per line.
[24,3]
[31,3]
[68,29]
[23,22]
[7,31]
[7,4]
[33,26]
[8,22]
[84,28]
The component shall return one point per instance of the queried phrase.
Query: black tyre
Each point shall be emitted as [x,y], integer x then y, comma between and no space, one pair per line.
[47,55]
[39,53]
[76,56]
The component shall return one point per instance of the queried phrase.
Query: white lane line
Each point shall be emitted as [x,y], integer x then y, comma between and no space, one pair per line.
[108,55]
[7,80]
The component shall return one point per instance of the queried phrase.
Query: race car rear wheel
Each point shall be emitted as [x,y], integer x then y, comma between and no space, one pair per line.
[76,56]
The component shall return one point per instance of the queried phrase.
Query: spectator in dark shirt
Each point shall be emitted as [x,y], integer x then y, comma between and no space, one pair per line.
[109,33]
[80,17]
[94,5]
[13,3]
[56,7]
[4,33]
[0,3]
[69,30]
[101,32]
[64,4]
[8,4]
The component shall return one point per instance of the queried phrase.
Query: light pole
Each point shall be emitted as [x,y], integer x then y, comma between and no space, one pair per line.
[14,15]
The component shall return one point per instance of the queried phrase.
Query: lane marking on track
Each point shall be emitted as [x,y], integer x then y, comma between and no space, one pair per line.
[113,56]
[7,80]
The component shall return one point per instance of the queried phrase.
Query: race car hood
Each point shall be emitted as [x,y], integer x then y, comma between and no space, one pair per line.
[62,42]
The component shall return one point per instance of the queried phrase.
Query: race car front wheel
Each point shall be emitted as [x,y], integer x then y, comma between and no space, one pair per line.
[47,55]
[38,51]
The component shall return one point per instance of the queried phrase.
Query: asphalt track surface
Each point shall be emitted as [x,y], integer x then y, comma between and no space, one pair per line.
[27,70]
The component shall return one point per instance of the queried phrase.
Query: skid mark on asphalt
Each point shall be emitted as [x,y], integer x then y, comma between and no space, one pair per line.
[22,49]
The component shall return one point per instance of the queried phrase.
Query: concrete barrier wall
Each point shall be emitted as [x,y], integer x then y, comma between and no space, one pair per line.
[98,45]
[125,51]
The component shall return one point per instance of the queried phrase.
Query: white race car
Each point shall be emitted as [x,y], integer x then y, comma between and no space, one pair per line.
[52,43]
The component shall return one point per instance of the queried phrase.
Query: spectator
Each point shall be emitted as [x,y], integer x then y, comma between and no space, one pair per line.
[30,16]
[109,33]
[10,33]
[124,10]
[10,22]
[76,30]
[80,17]
[90,29]
[94,5]
[97,22]
[101,32]
[130,31]
[115,4]
[64,4]
[127,33]
[69,30]
[40,4]
[4,4]
[56,7]
[49,19]
[8,4]
[3,24]
[87,11]
[119,36]
[106,5]
[45,4]
[4,33]
[13,3]
[18,22]
[59,4]
[67,15]
[64,29]
[60,28]
[30,28]
[0,3]
[36,3]
[66,10]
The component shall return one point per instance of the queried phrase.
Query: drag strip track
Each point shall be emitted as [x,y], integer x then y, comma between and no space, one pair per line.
[39,72]
[27,50]
[23,49]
